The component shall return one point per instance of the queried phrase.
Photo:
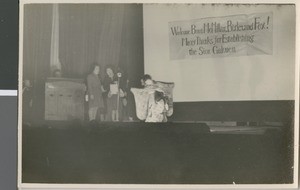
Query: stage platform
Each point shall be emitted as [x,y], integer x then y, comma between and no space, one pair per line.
[216,127]
[151,153]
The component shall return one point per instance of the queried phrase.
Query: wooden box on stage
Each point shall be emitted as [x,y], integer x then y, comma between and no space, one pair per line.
[64,99]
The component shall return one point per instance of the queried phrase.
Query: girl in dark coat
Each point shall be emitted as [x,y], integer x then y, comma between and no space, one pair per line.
[95,90]
[112,95]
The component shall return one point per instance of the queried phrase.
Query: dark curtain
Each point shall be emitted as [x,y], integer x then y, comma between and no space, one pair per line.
[88,33]
[80,28]
[106,34]
[132,46]
[36,52]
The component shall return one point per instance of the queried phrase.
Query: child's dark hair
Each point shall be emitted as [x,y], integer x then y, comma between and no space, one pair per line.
[159,96]
[146,77]
[93,66]
[110,66]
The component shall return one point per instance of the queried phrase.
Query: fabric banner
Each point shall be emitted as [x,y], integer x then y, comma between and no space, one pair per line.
[236,35]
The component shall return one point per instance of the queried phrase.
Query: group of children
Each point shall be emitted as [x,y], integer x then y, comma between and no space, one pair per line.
[111,96]
[107,97]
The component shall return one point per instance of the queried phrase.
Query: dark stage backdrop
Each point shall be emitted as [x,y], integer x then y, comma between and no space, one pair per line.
[104,34]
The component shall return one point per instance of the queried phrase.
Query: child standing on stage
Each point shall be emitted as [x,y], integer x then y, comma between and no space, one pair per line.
[95,91]
[112,95]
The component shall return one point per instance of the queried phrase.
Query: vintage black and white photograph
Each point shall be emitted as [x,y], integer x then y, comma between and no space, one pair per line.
[147,94]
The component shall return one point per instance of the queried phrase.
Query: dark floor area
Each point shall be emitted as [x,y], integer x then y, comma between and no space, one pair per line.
[140,153]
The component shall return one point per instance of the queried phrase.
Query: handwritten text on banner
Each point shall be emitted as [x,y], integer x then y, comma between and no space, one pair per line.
[237,35]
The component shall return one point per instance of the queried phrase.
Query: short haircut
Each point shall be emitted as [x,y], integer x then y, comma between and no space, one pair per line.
[93,66]
[110,66]
[146,77]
